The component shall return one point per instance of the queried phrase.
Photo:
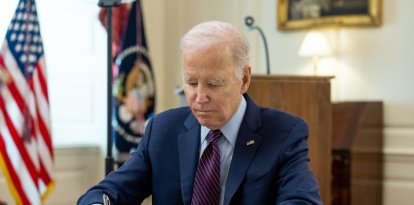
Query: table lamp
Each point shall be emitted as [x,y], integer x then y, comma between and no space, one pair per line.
[314,45]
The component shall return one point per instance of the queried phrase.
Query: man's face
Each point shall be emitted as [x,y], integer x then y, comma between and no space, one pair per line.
[212,90]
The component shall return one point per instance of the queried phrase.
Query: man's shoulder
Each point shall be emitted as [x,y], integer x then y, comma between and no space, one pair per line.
[279,116]
[269,117]
[176,113]
[169,121]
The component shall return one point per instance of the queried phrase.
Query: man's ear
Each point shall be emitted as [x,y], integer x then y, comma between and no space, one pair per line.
[246,78]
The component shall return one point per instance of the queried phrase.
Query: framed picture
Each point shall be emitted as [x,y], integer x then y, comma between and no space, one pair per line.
[304,14]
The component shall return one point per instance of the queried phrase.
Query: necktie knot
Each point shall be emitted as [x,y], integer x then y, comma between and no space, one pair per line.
[214,136]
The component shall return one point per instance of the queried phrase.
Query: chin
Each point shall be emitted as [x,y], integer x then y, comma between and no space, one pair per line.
[204,122]
[209,125]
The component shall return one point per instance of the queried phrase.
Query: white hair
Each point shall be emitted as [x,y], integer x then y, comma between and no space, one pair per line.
[213,32]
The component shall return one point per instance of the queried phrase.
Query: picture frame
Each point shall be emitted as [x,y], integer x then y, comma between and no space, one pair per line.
[309,14]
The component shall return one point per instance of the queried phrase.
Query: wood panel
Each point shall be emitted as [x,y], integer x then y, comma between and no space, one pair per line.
[357,145]
[307,97]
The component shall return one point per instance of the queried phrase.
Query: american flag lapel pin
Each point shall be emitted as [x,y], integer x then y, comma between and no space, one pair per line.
[250,142]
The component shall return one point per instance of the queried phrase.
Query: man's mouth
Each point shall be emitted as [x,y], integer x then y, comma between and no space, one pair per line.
[203,112]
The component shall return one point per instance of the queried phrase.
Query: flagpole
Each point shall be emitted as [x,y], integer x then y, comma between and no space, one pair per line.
[109,4]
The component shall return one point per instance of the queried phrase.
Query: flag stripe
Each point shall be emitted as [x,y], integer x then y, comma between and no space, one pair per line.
[32,107]
[2,65]
[9,169]
[17,79]
[16,95]
[42,102]
[42,81]
[18,142]
[44,175]
[47,155]
[45,133]
[10,173]
[41,111]
[16,117]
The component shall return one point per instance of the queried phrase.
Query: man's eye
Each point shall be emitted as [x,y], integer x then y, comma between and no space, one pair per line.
[192,84]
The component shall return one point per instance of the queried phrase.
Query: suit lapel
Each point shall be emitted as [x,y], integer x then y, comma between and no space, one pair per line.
[247,144]
[189,148]
[242,156]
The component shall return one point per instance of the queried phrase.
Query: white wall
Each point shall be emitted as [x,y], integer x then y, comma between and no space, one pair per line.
[74,45]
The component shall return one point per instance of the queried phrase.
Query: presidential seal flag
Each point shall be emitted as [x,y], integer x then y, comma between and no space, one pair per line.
[134,87]
[26,153]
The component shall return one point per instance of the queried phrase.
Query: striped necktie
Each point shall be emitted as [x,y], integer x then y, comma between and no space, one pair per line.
[206,189]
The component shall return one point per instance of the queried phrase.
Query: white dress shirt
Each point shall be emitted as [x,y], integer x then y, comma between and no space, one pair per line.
[226,144]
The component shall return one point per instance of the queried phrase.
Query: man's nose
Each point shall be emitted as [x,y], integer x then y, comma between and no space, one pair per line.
[202,95]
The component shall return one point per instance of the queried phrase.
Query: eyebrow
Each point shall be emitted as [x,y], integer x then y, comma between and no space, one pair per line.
[216,81]
[186,77]
[210,80]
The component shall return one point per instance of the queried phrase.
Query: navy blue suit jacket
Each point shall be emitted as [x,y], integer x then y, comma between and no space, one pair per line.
[273,170]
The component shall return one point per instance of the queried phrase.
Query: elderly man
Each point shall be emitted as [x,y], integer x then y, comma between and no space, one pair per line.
[223,148]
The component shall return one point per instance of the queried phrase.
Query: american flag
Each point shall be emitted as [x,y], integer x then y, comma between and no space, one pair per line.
[26,153]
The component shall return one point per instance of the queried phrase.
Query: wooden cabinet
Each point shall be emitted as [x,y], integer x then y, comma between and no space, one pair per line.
[357,153]
[309,98]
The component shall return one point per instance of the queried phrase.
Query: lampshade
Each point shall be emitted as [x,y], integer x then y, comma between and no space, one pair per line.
[314,44]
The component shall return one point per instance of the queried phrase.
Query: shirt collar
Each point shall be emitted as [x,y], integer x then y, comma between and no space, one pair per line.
[231,128]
